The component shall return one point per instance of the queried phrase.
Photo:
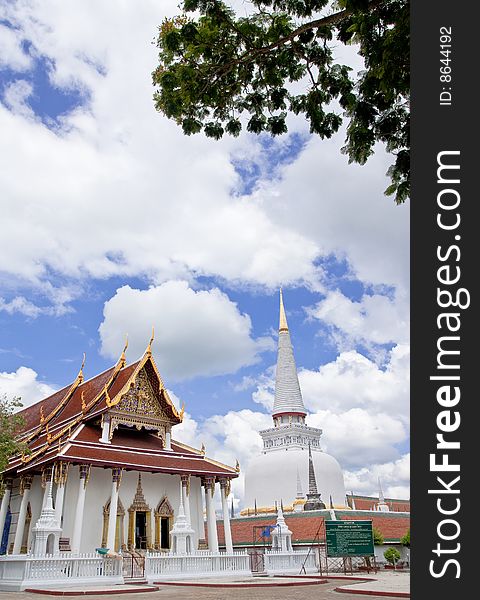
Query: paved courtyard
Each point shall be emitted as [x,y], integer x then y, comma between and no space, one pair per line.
[382,582]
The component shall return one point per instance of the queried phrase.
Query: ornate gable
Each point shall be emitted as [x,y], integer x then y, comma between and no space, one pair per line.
[143,405]
[140,399]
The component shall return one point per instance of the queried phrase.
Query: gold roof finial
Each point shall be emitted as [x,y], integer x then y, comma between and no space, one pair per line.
[182,410]
[149,347]
[283,326]
[237,466]
[122,360]
[80,373]
[202,449]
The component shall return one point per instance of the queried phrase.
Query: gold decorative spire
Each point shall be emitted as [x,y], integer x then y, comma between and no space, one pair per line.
[122,360]
[283,326]
[80,373]
[149,347]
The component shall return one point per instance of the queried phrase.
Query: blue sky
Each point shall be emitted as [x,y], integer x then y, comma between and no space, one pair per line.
[113,221]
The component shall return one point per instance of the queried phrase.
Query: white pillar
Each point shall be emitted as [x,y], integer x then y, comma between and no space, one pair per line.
[61,471]
[112,517]
[46,477]
[78,524]
[168,441]
[5,503]
[211,518]
[186,496]
[105,439]
[224,483]
[25,486]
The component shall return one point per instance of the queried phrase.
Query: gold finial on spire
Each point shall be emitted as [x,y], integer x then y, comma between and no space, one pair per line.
[42,416]
[80,373]
[122,360]
[283,326]
[84,404]
[149,347]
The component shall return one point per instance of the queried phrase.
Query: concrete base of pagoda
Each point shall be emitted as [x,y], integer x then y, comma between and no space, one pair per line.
[20,572]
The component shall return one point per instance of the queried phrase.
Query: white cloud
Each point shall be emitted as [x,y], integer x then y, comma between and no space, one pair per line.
[375,319]
[342,208]
[356,437]
[154,203]
[197,332]
[23,383]
[352,381]
[15,97]
[12,55]
[394,478]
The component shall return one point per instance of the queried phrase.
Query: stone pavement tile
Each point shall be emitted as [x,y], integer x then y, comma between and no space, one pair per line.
[321,592]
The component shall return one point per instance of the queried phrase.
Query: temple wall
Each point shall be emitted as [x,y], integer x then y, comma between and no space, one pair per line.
[98,490]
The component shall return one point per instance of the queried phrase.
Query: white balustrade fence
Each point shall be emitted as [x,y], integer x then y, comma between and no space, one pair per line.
[20,572]
[278,562]
[201,564]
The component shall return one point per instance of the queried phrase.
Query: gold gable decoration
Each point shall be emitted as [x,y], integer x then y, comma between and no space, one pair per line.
[140,399]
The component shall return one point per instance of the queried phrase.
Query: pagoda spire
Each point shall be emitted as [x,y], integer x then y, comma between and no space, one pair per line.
[312,482]
[314,501]
[382,505]
[300,495]
[288,396]
[283,325]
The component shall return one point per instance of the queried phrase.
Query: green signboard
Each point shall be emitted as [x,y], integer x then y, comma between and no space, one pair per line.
[349,538]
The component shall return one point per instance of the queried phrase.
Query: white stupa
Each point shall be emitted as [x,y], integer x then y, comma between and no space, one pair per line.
[283,466]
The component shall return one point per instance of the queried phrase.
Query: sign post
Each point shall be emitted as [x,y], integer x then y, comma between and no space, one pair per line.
[349,538]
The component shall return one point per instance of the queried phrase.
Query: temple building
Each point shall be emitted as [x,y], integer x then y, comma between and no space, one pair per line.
[103,470]
[291,448]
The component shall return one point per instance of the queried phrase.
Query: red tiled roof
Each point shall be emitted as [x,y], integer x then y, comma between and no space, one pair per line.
[369,503]
[68,433]
[137,450]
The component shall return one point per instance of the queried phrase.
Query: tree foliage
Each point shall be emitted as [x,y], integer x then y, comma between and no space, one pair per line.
[10,425]
[219,71]
[377,537]
[392,555]
[406,539]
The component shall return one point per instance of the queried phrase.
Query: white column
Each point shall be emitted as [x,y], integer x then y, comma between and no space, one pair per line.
[77,528]
[46,477]
[226,517]
[112,517]
[61,481]
[168,441]
[211,519]
[25,486]
[186,496]
[5,502]
[105,439]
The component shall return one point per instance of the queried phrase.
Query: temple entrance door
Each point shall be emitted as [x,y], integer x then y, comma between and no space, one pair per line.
[141,530]
[165,532]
